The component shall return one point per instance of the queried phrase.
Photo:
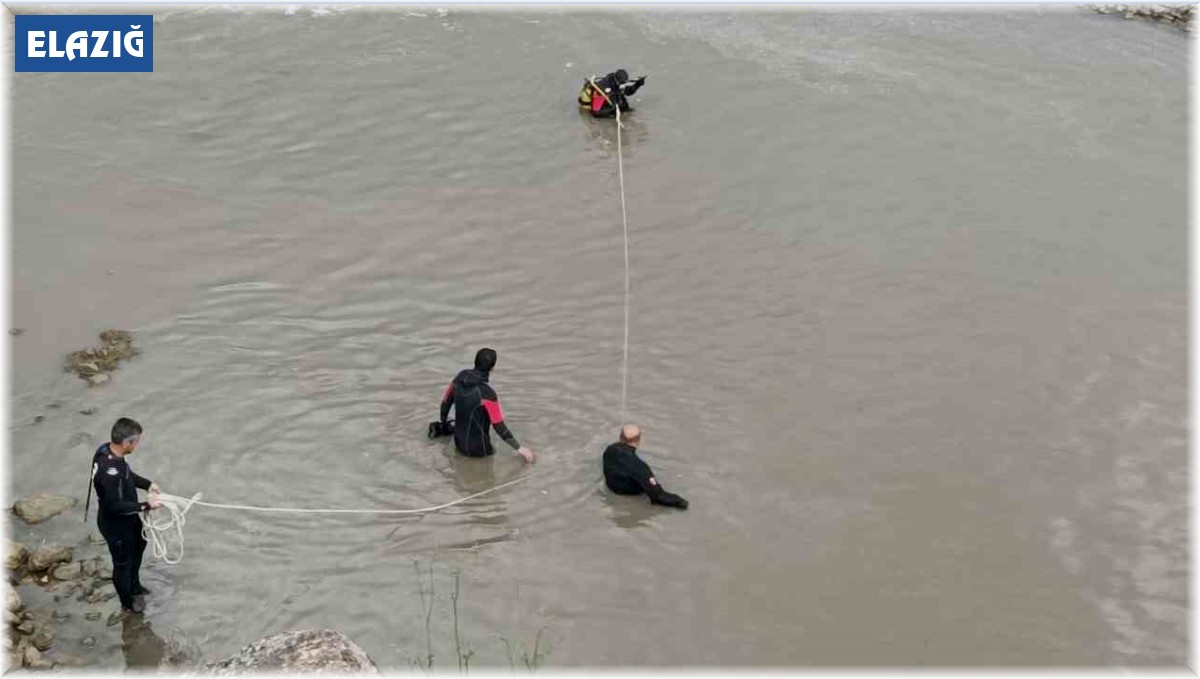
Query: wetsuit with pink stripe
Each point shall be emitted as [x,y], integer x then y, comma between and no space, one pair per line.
[477,411]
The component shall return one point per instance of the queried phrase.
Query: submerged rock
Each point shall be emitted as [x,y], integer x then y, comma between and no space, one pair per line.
[43,638]
[306,652]
[94,365]
[38,508]
[46,556]
[70,571]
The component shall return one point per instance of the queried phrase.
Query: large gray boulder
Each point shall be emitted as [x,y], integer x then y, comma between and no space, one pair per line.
[38,508]
[307,652]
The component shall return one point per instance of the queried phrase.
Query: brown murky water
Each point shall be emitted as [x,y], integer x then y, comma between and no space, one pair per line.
[909,305]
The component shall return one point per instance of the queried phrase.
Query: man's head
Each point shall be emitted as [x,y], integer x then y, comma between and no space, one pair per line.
[485,359]
[631,434]
[125,436]
[622,76]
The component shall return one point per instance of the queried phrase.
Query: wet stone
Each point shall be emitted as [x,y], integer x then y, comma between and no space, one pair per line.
[39,507]
[16,556]
[70,571]
[43,639]
[47,556]
[32,655]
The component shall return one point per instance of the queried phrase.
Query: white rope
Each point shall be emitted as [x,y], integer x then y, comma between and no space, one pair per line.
[625,232]
[157,525]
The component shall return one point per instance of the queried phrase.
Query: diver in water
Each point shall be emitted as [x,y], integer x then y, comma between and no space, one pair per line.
[627,474]
[477,411]
[601,95]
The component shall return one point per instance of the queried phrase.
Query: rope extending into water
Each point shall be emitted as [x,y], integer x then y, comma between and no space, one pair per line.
[158,525]
[625,233]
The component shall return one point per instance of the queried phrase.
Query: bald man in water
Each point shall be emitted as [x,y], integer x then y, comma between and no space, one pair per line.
[626,474]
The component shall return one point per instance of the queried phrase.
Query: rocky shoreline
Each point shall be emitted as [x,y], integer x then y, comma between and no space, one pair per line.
[73,584]
[53,573]
[1179,16]
[60,604]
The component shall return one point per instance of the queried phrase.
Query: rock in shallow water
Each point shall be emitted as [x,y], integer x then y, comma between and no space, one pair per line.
[38,508]
[16,556]
[48,555]
[306,652]
[43,639]
[69,571]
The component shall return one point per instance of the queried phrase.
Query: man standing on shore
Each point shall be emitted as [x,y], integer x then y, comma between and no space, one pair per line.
[119,509]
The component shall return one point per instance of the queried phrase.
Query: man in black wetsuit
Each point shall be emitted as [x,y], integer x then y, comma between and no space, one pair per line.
[626,474]
[599,94]
[477,410]
[117,517]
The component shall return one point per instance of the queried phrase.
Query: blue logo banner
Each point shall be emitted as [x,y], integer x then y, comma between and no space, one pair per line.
[84,43]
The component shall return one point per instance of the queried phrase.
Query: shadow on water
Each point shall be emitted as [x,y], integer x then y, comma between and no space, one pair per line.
[628,511]
[143,649]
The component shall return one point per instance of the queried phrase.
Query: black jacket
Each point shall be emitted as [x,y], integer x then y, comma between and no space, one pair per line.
[476,411]
[627,474]
[116,487]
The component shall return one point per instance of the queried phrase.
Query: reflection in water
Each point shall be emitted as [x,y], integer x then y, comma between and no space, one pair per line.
[143,649]
[487,518]
[604,131]
[628,511]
